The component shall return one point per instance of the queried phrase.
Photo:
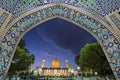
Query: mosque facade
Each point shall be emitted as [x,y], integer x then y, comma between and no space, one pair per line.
[55,70]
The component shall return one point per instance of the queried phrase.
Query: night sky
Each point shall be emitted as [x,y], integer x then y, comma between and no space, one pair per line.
[56,38]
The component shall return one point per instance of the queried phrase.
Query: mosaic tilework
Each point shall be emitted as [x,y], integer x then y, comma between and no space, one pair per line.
[18,7]
[89,5]
[98,7]
[3,17]
[13,6]
[109,43]
[108,6]
[115,20]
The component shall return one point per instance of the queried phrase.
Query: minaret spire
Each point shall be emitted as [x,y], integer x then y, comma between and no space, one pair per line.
[66,61]
[43,63]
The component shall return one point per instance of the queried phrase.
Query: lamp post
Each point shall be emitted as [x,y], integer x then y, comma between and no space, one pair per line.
[78,68]
[78,72]
[96,73]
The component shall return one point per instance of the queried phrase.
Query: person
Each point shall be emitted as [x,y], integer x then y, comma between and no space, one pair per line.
[98,78]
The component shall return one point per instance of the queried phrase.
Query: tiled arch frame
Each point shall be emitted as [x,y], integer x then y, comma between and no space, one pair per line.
[25,22]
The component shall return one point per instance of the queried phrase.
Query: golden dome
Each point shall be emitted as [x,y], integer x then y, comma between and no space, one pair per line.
[55,63]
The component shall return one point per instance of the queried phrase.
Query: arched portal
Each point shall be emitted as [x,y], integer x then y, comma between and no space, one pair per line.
[94,25]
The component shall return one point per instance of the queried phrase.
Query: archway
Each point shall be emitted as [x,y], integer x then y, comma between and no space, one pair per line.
[94,25]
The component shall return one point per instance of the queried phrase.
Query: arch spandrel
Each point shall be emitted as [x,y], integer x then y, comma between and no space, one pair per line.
[94,26]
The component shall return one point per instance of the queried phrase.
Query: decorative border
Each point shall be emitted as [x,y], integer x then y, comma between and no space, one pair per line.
[98,28]
[114,21]
[4,18]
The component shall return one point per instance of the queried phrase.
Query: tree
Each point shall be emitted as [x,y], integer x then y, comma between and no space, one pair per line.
[92,57]
[21,60]
[22,44]
[77,60]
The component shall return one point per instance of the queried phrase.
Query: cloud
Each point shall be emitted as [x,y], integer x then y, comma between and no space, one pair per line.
[50,54]
[51,38]
[64,35]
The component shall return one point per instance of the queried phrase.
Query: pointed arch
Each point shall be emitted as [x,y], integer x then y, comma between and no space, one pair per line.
[95,26]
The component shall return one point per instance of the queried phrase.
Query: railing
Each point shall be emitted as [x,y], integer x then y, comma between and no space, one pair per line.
[50,78]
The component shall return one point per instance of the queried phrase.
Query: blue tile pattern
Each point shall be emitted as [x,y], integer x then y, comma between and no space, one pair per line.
[108,41]
[108,6]
[18,7]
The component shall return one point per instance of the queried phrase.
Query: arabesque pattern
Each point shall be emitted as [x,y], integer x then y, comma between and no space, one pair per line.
[99,30]
[108,6]
[103,7]
[18,7]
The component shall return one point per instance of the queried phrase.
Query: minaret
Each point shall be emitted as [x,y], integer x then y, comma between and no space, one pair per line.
[43,62]
[66,61]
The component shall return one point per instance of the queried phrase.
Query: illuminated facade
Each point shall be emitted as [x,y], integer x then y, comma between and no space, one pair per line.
[55,70]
